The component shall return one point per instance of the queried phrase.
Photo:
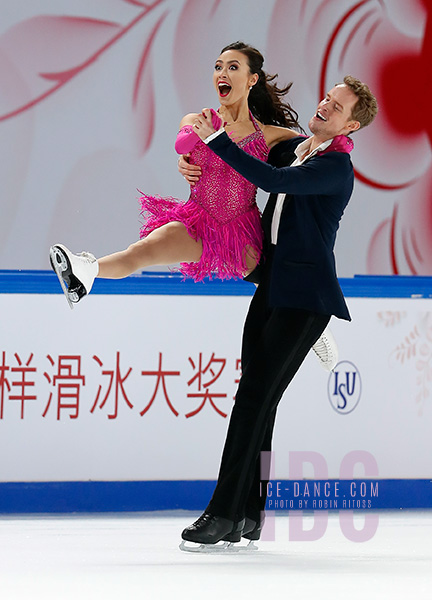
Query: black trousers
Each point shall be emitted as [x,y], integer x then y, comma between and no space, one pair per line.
[275,343]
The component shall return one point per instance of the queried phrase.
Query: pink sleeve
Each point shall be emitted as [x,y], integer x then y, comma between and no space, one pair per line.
[187,138]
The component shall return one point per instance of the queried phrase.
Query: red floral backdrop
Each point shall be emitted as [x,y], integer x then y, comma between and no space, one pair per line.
[92,93]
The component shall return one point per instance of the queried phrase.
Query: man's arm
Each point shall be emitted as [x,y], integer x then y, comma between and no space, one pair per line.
[190,172]
[318,175]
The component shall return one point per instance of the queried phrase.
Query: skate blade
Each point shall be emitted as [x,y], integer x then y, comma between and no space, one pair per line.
[58,268]
[219,548]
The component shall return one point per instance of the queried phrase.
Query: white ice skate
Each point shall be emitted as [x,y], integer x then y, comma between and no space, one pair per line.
[219,548]
[326,350]
[76,272]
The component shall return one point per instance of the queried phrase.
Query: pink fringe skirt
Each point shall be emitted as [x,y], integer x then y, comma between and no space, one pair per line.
[224,244]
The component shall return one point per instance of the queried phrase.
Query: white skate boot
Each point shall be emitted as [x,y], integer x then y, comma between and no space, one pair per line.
[326,350]
[76,272]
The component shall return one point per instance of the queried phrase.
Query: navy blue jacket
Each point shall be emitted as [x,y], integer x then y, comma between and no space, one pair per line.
[303,271]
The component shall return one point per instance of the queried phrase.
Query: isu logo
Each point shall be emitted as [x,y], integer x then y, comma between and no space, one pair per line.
[344,387]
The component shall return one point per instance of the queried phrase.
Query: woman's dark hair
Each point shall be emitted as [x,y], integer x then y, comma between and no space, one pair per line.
[265,98]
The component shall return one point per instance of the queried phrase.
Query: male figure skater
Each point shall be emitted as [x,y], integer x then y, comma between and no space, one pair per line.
[297,294]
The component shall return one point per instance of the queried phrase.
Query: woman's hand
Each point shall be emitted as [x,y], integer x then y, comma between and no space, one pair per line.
[203,124]
[191,173]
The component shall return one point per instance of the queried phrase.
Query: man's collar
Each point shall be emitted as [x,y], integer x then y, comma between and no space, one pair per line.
[340,143]
[304,147]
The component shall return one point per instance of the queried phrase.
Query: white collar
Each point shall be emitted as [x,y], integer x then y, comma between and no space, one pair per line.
[303,148]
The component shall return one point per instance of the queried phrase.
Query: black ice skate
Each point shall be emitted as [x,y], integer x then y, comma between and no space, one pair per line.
[212,534]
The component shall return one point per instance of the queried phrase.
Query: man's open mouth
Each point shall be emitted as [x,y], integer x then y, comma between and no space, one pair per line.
[320,116]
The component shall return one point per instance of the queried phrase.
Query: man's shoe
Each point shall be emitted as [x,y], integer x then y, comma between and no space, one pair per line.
[210,529]
[252,530]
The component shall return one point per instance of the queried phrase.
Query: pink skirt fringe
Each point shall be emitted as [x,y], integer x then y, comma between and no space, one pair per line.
[224,245]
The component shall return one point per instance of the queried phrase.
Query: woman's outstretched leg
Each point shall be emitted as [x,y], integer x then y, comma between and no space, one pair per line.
[166,245]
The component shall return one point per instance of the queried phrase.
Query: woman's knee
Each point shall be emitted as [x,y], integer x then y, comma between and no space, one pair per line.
[251,259]
[135,253]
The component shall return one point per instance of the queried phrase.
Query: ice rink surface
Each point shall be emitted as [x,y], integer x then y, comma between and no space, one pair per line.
[127,556]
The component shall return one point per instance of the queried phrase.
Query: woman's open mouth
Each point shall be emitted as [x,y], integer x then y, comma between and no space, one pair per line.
[224,89]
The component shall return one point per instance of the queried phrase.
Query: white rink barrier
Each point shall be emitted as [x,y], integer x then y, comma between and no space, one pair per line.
[123,403]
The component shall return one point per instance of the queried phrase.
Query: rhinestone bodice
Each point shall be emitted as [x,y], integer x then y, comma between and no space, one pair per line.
[221,191]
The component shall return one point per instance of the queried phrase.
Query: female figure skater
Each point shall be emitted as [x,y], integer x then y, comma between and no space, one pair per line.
[217,231]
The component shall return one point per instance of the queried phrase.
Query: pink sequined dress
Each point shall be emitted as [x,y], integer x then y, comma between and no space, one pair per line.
[221,211]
